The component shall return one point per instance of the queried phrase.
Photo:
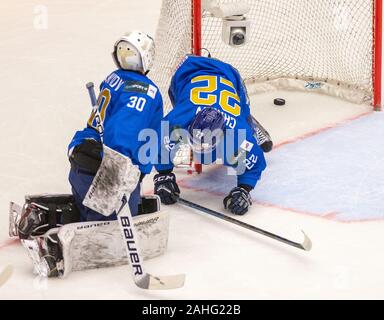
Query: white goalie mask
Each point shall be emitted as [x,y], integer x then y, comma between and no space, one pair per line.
[134,51]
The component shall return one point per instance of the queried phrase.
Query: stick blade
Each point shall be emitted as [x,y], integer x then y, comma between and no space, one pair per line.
[307,244]
[150,282]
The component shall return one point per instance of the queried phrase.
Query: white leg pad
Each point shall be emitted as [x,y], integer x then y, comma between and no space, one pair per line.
[93,245]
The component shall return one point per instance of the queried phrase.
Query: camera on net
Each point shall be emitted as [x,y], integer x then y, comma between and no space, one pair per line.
[236,30]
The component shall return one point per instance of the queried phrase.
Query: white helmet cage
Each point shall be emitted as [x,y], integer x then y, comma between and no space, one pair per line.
[144,44]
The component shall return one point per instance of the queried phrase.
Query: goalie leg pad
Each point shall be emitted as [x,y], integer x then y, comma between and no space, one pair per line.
[46,254]
[92,245]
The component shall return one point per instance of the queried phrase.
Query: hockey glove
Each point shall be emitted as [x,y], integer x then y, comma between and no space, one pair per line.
[238,201]
[87,156]
[166,188]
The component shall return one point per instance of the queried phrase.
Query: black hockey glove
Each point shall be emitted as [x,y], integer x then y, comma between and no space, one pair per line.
[238,201]
[166,188]
[87,156]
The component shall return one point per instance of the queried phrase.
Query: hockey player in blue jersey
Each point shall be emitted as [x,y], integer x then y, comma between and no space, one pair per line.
[128,102]
[211,107]
[105,160]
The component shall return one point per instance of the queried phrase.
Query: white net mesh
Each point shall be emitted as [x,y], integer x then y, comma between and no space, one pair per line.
[325,46]
[173,41]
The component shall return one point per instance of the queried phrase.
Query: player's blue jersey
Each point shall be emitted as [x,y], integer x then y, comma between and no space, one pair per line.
[203,82]
[128,103]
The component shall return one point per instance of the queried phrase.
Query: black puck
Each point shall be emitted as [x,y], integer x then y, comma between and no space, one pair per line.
[279,102]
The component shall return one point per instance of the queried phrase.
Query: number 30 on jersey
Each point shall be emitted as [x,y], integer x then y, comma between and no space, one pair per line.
[137,103]
[208,93]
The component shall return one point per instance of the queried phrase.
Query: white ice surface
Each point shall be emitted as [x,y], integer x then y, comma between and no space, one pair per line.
[43,101]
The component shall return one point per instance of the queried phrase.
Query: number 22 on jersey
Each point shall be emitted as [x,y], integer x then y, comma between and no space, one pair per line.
[208,93]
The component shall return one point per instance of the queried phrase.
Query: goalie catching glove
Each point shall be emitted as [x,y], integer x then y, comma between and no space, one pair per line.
[166,187]
[239,200]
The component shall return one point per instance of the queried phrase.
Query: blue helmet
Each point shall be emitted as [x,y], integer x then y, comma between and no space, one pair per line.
[206,130]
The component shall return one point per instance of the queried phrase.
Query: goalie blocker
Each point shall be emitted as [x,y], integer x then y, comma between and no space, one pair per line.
[57,248]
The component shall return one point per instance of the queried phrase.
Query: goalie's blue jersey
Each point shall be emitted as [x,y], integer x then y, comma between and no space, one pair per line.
[203,82]
[128,103]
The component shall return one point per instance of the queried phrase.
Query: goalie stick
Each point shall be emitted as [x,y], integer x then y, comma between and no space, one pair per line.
[306,245]
[142,279]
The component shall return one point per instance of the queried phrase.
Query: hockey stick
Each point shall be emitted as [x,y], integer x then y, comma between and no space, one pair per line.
[306,245]
[142,279]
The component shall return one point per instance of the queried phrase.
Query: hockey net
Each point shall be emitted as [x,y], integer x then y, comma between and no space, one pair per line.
[328,46]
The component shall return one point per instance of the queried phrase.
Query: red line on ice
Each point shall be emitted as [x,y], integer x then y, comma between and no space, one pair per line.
[8,243]
[330,216]
[321,130]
